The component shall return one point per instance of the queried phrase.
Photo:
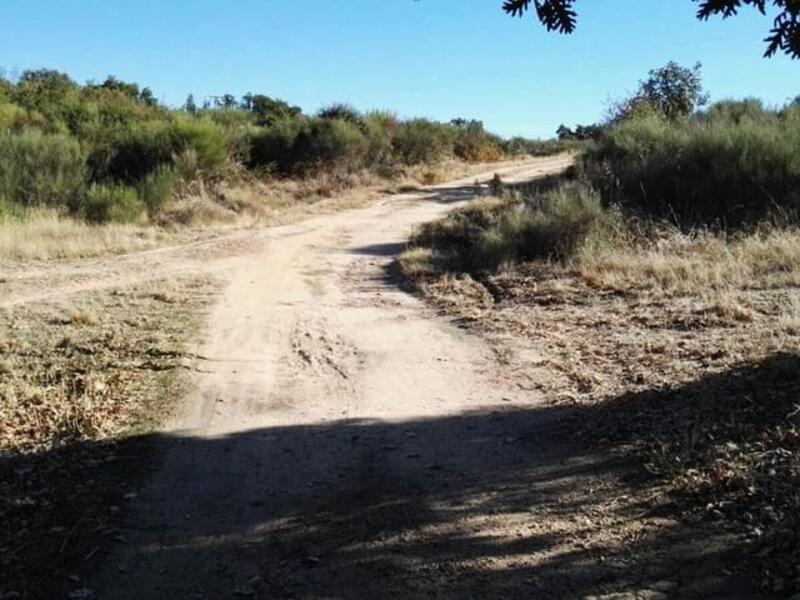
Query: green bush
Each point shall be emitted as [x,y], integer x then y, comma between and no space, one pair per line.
[117,203]
[474,144]
[156,189]
[15,119]
[38,169]
[273,147]
[330,144]
[732,167]
[518,146]
[380,128]
[10,211]
[59,138]
[551,225]
[129,154]
[421,141]
[203,136]
[342,112]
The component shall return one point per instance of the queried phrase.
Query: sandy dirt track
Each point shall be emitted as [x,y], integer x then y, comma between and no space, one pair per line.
[340,440]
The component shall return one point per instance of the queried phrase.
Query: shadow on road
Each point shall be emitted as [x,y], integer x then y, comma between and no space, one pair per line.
[503,503]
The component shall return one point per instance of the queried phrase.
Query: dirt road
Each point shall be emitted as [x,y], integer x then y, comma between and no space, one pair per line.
[341,440]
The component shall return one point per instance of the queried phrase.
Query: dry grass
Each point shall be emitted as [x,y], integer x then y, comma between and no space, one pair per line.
[79,381]
[250,202]
[45,235]
[679,263]
[82,372]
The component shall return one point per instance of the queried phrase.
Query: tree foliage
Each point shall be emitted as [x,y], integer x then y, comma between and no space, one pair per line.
[671,91]
[560,15]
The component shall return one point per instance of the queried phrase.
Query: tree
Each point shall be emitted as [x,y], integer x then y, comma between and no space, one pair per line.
[49,77]
[190,106]
[268,110]
[565,133]
[560,15]
[672,91]
[226,101]
[146,96]
[342,112]
[43,89]
[117,85]
[582,132]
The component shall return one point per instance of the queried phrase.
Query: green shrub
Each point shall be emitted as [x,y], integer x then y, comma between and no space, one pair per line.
[518,146]
[342,112]
[15,119]
[59,138]
[330,144]
[10,211]
[732,167]
[129,154]
[117,203]
[204,137]
[156,189]
[273,147]
[474,144]
[380,128]
[551,225]
[421,141]
[39,169]
[186,165]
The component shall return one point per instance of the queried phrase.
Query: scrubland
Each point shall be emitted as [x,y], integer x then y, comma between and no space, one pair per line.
[655,292]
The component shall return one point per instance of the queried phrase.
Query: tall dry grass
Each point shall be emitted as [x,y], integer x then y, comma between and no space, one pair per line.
[46,235]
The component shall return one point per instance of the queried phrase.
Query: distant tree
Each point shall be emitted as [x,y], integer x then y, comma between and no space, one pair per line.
[559,15]
[190,106]
[581,132]
[588,132]
[672,91]
[226,101]
[46,77]
[268,110]
[342,112]
[565,133]
[247,102]
[147,97]
[117,85]
[43,89]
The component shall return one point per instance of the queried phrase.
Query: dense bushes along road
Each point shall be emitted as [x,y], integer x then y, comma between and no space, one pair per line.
[110,152]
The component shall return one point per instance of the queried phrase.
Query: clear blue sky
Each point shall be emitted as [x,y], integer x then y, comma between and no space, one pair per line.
[434,58]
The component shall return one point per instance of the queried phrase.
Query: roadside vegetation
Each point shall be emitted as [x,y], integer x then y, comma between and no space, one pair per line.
[658,283]
[80,379]
[110,153]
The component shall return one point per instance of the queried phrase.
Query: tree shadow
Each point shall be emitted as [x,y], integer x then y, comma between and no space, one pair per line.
[501,503]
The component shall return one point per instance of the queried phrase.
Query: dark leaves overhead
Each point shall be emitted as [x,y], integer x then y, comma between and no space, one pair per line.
[784,37]
[556,15]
